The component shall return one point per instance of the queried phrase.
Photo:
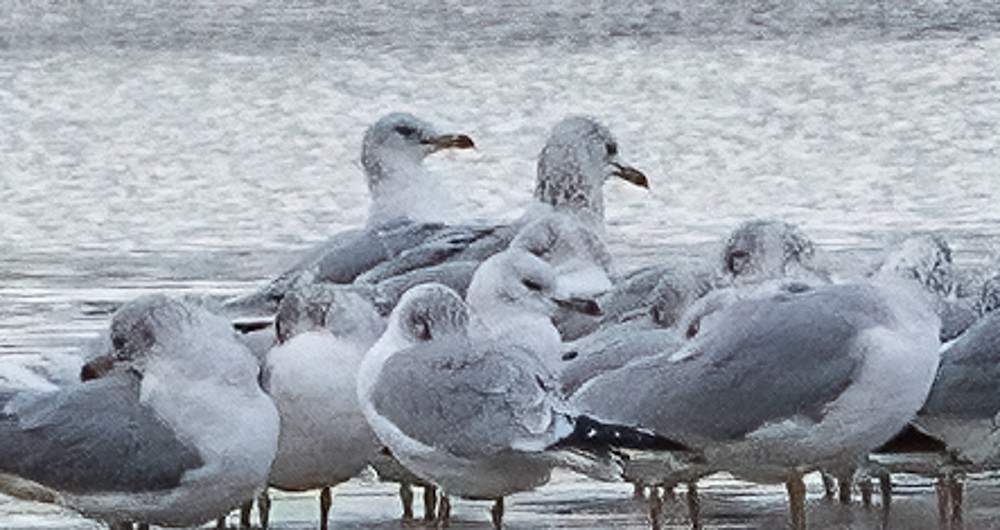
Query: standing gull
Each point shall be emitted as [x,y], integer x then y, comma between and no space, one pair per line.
[176,434]
[407,203]
[579,156]
[963,408]
[472,415]
[324,331]
[782,379]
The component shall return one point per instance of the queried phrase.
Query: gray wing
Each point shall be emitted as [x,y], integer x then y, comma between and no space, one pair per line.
[763,361]
[454,274]
[449,243]
[340,259]
[470,405]
[968,377]
[608,349]
[93,437]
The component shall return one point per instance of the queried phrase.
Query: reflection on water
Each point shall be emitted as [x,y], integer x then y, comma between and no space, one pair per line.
[198,146]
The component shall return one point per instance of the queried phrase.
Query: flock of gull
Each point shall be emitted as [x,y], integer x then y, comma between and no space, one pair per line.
[474,359]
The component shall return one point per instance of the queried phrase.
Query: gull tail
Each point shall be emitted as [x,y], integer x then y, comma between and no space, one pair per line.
[601,451]
[593,435]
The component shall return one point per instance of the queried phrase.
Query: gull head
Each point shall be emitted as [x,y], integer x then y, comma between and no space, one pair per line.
[989,297]
[336,308]
[399,142]
[518,283]
[927,259]
[427,312]
[139,326]
[579,156]
[761,249]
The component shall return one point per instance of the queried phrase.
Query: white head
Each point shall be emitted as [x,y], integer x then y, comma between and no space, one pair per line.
[336,308]
[392,155]
[517,284]
[579,155]
[191,339]
[427,312]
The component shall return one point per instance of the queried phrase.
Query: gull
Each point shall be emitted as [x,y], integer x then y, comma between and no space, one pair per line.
[324,331]
[757,250]
[963,407]
[776,380]
[579,156]
[407,202]
[927,259]
[176,434]
[472,415]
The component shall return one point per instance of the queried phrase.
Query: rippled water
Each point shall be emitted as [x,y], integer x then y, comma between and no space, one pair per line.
[197,146]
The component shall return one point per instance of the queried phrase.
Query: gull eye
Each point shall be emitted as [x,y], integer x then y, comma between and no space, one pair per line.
[693,329]
[405,131]
[532,285]
[611,148]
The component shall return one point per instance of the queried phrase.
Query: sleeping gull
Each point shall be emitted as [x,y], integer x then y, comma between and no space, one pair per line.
[324,331]
[407,203]
[927,259]
[178,433]
[655,296]
[474,416]
[781,379]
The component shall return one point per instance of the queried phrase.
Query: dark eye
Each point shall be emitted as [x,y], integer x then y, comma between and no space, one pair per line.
[421,328]
[532,285]
[733,257]
[611,148]
[693,329]
[405,130]
[118,343]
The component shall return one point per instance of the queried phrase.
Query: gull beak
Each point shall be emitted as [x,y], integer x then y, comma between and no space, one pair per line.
[576,304]
[97,367]
[449,141]
[630,174]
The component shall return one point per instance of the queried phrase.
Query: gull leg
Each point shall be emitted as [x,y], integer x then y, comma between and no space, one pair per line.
[638,490]
[941,486]
[430,502]
[325,500]
[245,510]
[829,485]
[264,509]
[866,492]
[406,498]
[885,486]
[845,483]
[496,513]
[955,491]
[668,491]
[797,501]
[142,526]
[655,508]
[444,511]
[694,505]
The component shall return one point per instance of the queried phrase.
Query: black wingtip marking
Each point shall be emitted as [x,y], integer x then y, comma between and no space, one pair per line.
[591,434]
